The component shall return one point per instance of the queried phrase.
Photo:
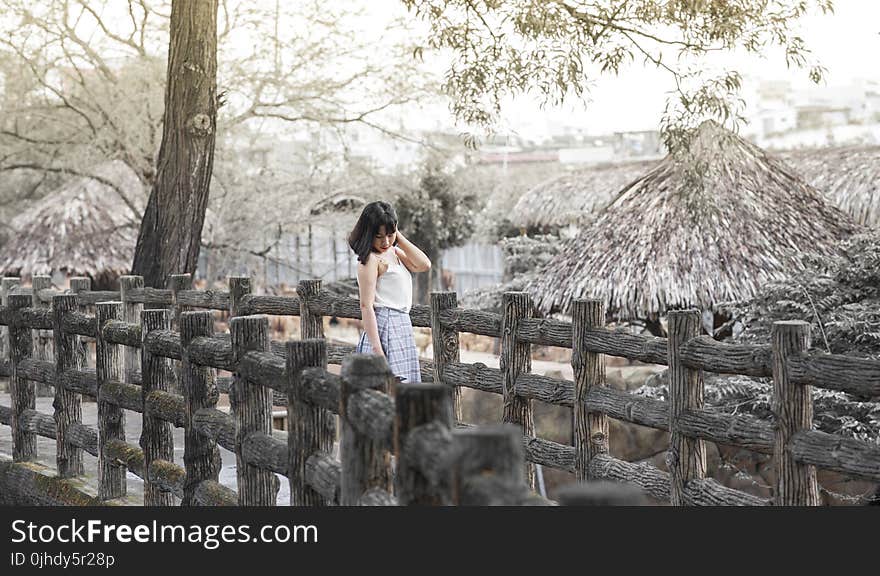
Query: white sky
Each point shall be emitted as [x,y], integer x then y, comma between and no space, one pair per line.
[847,43]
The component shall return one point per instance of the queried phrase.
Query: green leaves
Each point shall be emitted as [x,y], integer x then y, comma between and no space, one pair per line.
[554,47]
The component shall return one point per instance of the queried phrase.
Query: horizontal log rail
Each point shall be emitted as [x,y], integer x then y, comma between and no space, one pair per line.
[836,372]
[370,411]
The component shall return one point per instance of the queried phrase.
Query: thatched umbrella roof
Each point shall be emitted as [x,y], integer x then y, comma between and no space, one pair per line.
[574,197]
[83,227]
[848,176]
[695,232]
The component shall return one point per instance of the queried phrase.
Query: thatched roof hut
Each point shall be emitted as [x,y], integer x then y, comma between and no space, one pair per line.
[695,232]
[575,197]
[848,176]
[82,228]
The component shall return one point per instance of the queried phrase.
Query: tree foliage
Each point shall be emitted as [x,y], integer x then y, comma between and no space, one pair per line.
[83,81]
[556,48]
[434,215]
[839,297]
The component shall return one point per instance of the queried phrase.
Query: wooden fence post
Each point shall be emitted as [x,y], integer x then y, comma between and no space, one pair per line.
[365,462]
[201,458]
[311,325]
[487,466]
[68,404]
[686,458]
[78,285]
[445,344]
[589,429]
[253,411]
[424,419]
[239,287]
[24,442]
[42,338]
[157,440]
[111,418]
[312,428]
[796,483]
[131,312]
[177,283]
[516,359]
[7,285]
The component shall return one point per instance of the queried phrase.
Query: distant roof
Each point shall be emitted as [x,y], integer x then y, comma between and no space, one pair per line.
[83,227]
[697,233]
[849,176]
[574,198]
[341,202]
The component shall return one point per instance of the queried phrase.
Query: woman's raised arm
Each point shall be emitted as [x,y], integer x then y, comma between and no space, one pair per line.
[411,256]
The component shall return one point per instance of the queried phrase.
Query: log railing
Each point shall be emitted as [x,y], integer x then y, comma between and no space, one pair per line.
[294,374]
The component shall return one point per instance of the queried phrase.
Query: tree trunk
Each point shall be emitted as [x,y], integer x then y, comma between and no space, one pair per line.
[169,238]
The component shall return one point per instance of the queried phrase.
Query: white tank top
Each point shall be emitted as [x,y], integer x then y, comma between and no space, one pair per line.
[394,287]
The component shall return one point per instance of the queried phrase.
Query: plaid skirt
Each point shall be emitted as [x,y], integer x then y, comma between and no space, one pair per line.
[396,337]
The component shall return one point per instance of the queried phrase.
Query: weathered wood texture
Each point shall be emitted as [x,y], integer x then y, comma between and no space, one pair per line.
[239,288]
[706,353]
[311,323]
[201,457]
[445,344]
[157,440]
[7,286]
[266,453]
[516,359]
[323,473]
[589,428]
[686,458]
[67,404]
[486,466]
[271,305]
[30,484]
[845,455]
[859,376]
[652,481]
[43,339]
[177,284]
[217,425]
[23,392]
[252,406]
[127,334]
[151,298]
[131,313]
[80,323]
[208,299]
[365,462]
[421,441]
[793,406]
[111,417]
[312,427]
[79,285]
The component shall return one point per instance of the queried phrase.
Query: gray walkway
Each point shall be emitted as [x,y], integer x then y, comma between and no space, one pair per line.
[46,451]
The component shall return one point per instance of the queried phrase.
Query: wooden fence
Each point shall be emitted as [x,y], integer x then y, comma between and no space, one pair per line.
[436,462]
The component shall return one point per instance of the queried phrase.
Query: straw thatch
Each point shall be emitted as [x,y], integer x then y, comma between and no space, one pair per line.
[848,176]
[575,197]
[695,231]
[83,228]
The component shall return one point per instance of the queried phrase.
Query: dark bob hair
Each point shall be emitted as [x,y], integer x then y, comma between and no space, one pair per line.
[374,216]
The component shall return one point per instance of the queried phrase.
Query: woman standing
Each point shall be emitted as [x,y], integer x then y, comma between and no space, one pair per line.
[385,262]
